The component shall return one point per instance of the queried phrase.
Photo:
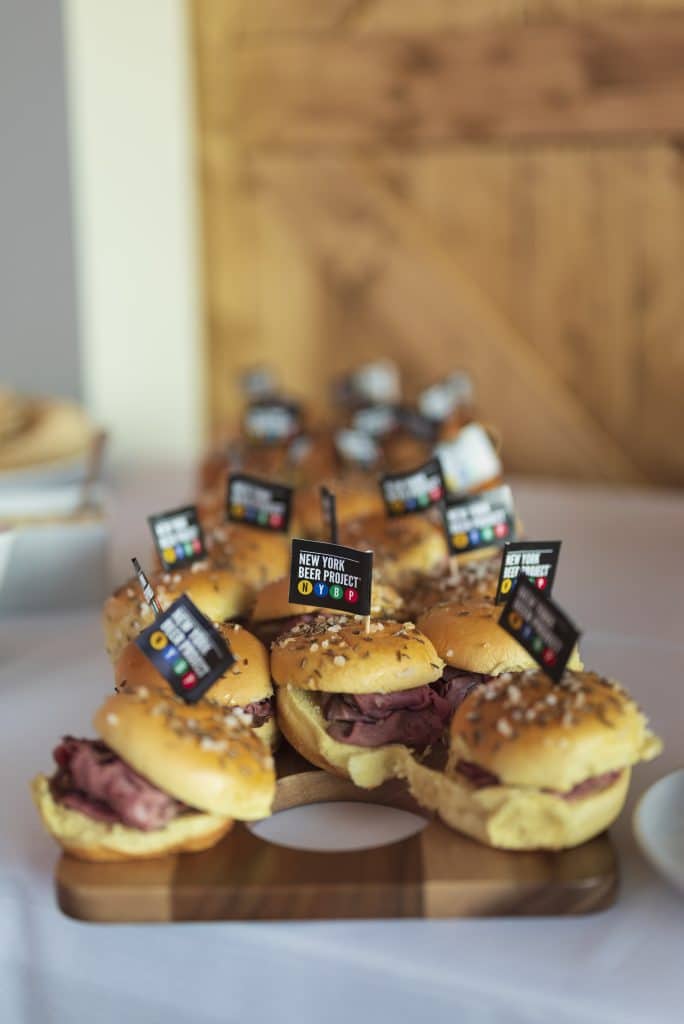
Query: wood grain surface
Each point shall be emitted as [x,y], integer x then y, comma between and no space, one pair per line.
[436,873]
[498,186]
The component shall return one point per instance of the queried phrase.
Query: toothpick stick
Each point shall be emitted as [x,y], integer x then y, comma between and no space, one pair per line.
[366,624]
[147,588]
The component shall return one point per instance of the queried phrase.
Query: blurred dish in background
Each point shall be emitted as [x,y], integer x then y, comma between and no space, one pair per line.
[42,435]
[659,826]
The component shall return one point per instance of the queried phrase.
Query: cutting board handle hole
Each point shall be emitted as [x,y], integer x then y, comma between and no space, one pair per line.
[338,826]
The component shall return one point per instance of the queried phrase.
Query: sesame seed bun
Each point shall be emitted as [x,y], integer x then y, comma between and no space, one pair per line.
[530,731]
[401,547]
[302,723]
[468,636]
[218,593]
[87,839]
[272,602]
[199,754]
[540,739]
[333,654]
[247,681]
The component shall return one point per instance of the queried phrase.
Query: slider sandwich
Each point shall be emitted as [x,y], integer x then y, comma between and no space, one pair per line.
[537,765]
[245,689]
[273,615]
[353,702]
[219,593]
[164,777]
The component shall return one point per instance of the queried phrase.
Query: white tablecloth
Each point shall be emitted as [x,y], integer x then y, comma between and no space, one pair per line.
[620,577]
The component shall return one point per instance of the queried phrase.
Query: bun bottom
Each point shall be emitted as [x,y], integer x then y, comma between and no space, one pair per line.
[513,817]
[268,733]
[301,722]
[87,839]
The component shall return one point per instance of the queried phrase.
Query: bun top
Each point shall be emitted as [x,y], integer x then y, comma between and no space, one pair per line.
[199,754]
[472,579]
[468,636]
[218,593]
[246,681]
[401,547]
[531,731]
[272,601]
[335,654]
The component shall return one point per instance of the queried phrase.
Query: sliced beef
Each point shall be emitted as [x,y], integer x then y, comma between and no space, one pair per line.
[260,710]
[92,779]
[476,775]
[479,777]
[416,717]
[592,785]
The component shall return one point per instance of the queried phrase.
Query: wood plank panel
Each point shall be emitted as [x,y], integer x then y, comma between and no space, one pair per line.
[604,79]
[577,246]
[412,283]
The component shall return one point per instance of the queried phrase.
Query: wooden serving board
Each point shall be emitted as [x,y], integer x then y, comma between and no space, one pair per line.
[436,873]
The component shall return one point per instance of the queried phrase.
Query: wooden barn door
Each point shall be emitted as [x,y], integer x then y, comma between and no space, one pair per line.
[497,186]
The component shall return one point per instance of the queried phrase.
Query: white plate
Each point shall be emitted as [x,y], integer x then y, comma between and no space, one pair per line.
[46,474]
[659,826]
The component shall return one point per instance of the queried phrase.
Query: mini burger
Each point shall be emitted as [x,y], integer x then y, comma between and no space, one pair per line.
[245,689]
[402,547]
[352,702]
[162,778]
[219,593]
[273,614]
[537,765]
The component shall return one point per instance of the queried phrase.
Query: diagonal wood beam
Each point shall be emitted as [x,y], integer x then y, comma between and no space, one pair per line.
[377,252]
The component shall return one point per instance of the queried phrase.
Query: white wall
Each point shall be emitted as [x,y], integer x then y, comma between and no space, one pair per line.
[38,342]
[131,116]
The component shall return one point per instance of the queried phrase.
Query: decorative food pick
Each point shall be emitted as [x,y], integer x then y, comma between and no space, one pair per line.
[416,424]
[258,503]
[378,382]
[415,491]
[356,447]
[186,649]
[272,420]
[331,576]
[178,537]
[329,507]
[480,520]
[375,420]
[468,460]
[541,627]
[258,382]
[146,587]
[440,400]
[536,559]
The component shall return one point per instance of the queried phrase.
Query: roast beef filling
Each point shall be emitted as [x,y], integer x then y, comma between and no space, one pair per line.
[479,777]
[92,779]
[260,710]
[416,718]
